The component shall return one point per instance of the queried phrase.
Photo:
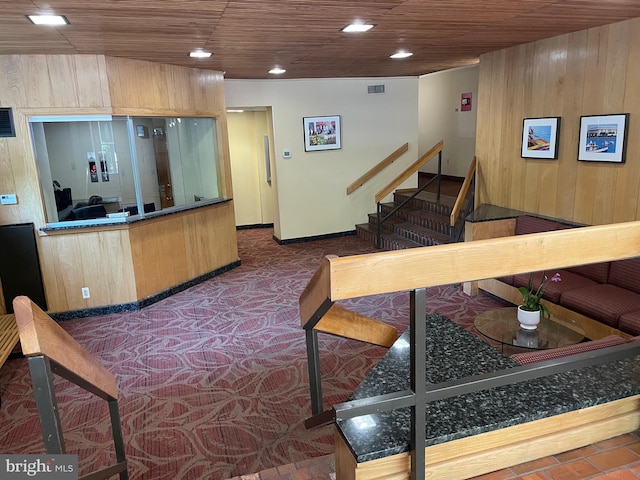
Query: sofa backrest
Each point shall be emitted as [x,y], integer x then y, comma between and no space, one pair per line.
[626,274]
[598,272]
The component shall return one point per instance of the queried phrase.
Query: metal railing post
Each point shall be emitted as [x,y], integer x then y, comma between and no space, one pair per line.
[379,226]
[313,364]
[418,364]
[439,173]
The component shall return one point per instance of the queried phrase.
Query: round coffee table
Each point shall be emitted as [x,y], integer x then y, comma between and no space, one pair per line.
[502,326]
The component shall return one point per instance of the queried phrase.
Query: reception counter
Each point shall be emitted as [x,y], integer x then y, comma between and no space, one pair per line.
[129,263]
[485,431]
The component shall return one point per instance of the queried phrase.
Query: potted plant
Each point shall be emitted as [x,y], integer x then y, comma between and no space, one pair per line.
[532,308]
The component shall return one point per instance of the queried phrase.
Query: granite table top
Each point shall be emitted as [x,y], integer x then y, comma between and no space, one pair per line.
[454,353]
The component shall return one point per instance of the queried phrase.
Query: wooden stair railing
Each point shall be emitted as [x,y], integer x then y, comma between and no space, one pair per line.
[340,278]
[50,349]
[377,169]
[412,169]
[462,195]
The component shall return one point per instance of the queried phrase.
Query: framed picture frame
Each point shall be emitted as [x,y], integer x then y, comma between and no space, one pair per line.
[603,138]
[540,138]
[322,133]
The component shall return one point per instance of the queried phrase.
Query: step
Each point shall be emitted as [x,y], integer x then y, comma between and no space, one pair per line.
[430,220]
[427,201]
[389,240]
[420,235]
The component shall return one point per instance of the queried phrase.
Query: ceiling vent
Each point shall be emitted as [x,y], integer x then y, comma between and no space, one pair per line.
[375,89]
[6,123]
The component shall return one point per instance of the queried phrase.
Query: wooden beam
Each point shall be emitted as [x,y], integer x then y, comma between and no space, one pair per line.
[346,323]
[40,335]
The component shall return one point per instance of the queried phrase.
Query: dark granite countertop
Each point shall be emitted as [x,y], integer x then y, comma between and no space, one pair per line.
[117,221]
[453,353]
[487,212]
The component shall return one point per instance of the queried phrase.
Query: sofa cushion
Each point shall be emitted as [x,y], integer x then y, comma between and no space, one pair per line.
[542,355]
[526,224]
[598,272]
[626,274]
[606,303]
[630,323]
[553,290]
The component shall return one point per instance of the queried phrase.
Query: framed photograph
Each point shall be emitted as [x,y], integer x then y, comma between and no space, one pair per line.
[322,133]
[603,138]
[540,138]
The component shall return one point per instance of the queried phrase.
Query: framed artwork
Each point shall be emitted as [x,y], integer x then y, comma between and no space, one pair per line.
[322,133]
[540,138]
[603,138]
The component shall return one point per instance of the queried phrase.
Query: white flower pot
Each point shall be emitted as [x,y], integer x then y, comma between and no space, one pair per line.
[528,320]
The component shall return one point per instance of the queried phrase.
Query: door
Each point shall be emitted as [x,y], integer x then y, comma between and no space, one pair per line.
[162,167]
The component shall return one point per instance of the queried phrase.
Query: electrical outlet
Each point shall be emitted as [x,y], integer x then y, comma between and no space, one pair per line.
[85,292]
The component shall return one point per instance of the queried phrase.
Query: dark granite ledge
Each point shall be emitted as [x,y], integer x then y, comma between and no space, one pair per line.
[115,222]
[454,353]
[487,213]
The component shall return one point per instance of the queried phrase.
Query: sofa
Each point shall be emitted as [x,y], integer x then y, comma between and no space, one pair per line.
[608,293]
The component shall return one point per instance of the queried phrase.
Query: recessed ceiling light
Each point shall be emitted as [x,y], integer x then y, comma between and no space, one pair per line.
[200,54]
[357,28]
[48,19]
[233,110]
[401,54]
[277,71]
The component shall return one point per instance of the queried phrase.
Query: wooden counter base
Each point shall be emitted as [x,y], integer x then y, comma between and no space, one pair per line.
[491,451]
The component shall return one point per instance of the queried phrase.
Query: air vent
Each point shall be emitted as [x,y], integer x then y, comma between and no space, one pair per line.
[6,123]
[375,89]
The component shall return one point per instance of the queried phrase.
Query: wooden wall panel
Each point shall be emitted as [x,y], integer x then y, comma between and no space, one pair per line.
[591,72]
[100,260]
[177,248]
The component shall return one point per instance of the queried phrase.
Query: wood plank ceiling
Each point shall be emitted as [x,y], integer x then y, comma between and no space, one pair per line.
[249,37]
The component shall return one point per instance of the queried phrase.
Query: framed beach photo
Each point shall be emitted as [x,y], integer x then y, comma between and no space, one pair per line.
[540,138]
[322,133]
[603,138]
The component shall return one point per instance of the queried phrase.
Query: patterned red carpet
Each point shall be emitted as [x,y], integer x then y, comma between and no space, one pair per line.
[213,381]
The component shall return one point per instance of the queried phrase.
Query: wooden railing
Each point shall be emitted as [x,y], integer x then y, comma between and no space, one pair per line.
[464,191]
[377,169]
[340,278]
[410,170]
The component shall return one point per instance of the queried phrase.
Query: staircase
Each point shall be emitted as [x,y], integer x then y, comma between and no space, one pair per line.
[424,221]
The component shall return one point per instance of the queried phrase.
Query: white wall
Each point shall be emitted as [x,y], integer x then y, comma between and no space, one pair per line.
[311,186]
[440,118]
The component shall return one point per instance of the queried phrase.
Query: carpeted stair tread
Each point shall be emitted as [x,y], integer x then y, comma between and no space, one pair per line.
[422,236]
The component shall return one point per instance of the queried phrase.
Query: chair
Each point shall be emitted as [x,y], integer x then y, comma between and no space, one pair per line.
[50,350]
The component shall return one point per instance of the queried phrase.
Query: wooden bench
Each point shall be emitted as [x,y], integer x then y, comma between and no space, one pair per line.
[8,336]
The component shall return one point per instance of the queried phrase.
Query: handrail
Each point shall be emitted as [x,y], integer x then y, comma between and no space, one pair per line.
[377,169]
[464,190]
[410,170]
[340,278]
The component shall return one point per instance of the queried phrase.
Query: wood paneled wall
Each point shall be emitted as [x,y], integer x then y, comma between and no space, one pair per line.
[590,72]
[103,259]
[173,249]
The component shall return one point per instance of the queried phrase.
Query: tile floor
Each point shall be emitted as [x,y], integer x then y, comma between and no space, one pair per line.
[614,459]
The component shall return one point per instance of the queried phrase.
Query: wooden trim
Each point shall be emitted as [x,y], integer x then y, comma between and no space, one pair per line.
[346,323]
[316,292]
[377,169]
[464,190]
[593,329]
[410,170]
[8,336]
[386,272]
[479,454]
[40,335]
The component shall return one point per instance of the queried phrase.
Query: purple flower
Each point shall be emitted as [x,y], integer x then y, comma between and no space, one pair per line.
[556,278]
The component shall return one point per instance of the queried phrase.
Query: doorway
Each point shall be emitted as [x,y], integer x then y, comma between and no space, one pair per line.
[252,168]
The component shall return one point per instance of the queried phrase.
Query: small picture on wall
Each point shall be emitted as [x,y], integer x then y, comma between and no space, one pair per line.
[322,133]
[540,137]
[602,138]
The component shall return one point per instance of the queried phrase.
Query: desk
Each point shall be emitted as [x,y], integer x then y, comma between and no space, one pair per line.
[502,326]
